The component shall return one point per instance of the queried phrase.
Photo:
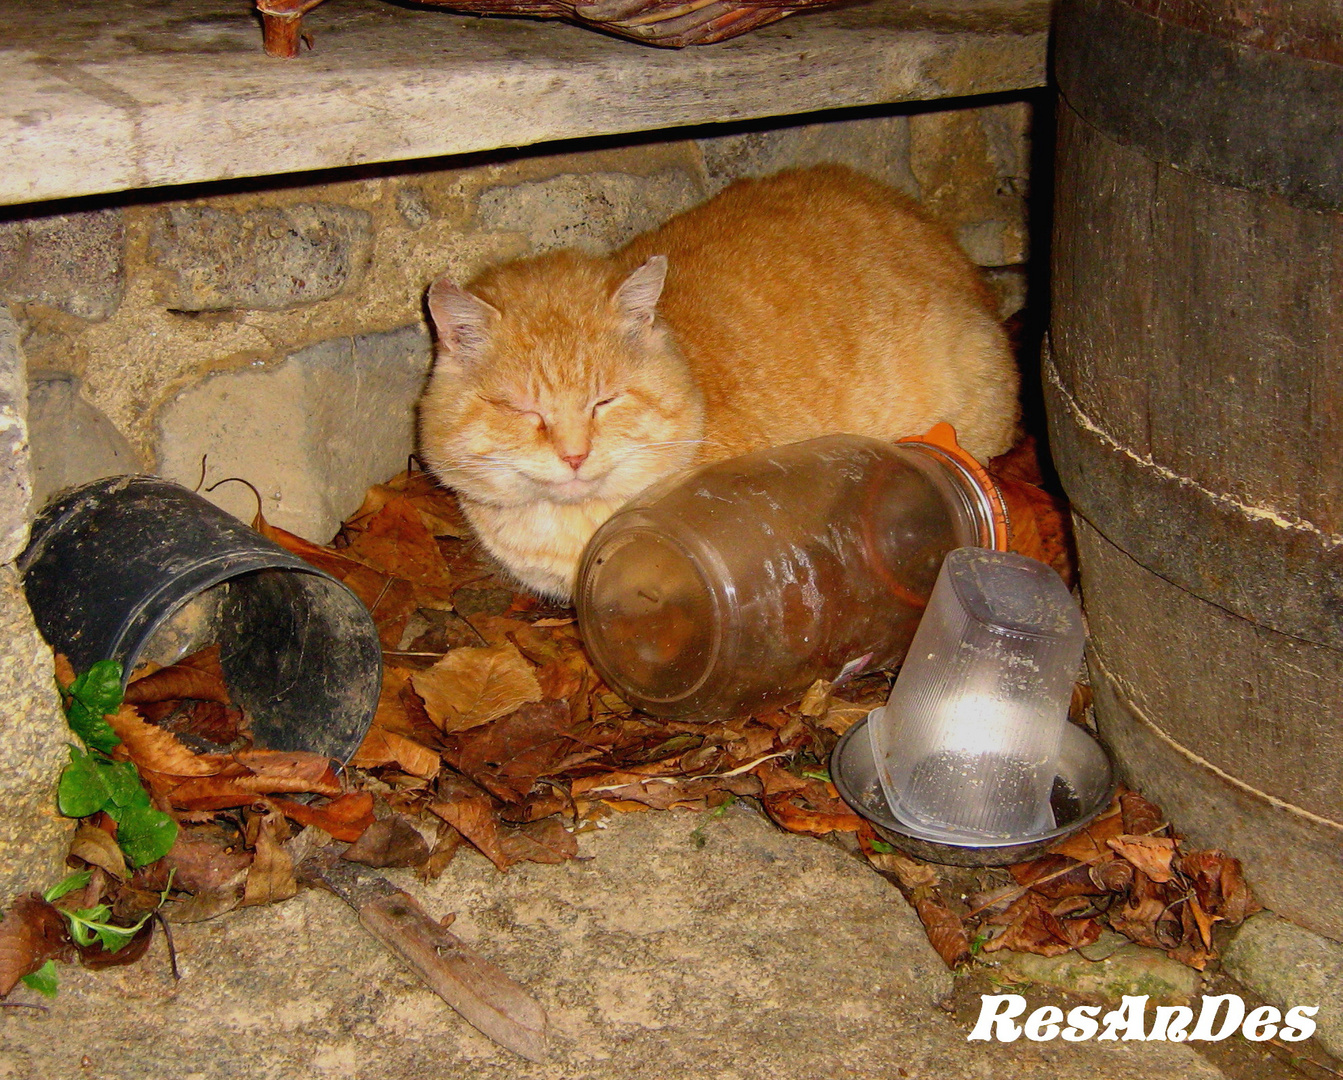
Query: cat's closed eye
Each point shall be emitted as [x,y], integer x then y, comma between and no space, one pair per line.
[596,405]
[517,410]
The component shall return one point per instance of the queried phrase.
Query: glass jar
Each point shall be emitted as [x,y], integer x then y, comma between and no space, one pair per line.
[736,585]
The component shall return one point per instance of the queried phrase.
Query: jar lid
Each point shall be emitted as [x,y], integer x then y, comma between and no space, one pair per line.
[942,437]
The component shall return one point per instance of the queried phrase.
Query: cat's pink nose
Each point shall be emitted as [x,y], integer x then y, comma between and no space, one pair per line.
[574,461]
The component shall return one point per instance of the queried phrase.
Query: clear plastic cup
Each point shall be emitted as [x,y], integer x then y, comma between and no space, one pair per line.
[967,744]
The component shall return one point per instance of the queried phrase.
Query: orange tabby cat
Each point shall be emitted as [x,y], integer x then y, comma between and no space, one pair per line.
[812,302]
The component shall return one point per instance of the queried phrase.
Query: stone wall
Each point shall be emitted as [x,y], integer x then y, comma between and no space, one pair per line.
[279,333]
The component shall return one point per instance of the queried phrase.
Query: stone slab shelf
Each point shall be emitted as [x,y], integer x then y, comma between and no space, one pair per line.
[122,95]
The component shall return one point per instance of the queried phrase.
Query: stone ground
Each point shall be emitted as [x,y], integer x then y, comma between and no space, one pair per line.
[758,954]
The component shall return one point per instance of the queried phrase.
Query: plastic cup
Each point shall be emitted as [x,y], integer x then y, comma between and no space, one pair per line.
[967,745]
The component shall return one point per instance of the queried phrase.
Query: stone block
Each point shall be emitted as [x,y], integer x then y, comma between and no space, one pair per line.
[72,262]
[875,146]
[594,211]
[1108,970]
[972,166]
[311,433]
[15,476]
[213,259]
[1288,966]
[1011,285]
[71,440]
[33,731]
[413,208]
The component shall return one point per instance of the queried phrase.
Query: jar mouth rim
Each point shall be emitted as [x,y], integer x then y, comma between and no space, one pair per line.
[994,523]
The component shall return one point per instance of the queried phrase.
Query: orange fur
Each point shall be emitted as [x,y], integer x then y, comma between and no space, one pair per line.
[815,301]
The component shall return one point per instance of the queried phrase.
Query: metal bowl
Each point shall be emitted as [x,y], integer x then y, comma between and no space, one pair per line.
[1084,786]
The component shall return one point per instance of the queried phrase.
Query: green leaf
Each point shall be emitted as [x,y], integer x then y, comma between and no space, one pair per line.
[96,732]
[67,884]
[84,923]
[43,980]
[144,833]
[116,938]
[90,924]
[123,784]
[100,687]
[881,847]
[92,696]
[82,789]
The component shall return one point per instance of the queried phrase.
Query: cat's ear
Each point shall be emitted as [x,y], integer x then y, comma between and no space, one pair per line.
[637,297]
[463,322]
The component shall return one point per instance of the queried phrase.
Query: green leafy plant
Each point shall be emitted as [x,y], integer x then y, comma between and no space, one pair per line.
[88,925]
[93,782]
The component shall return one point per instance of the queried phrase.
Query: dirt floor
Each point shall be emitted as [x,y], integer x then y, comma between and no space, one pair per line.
[756,954]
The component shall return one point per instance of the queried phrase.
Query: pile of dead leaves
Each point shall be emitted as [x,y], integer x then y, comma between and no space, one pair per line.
[494,730]
[1126,871]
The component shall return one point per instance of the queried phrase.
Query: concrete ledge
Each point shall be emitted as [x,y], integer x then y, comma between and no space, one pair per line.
[122,95]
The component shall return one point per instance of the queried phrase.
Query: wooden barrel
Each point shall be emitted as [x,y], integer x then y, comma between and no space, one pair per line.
[1195,400]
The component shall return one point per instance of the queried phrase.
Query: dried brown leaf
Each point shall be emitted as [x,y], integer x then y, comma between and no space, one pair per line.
[778,780]
[1032,927]
[1089,845]
[540,803]
[1219,884]
[818,815]
[383,747]
[1150,854]
[911,873]
[1202,920]
[816,700]
[471,686]
[178,681]
[1138,918]
[1112,875]
[65,672]
[476,817]
[313,772]
[201,862]
[390,841]
[842,715]
[31,933]
[446,845]
[153,748]
[1141,818]
[946,931]
[508,756]
[395,540]
[271,876]
[97,848]
[344,818]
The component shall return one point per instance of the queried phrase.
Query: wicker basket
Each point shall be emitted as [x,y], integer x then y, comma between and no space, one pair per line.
[668,23]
